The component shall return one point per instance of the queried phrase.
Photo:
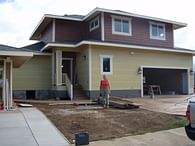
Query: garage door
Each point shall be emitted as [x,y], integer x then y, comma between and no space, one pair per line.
[170,81]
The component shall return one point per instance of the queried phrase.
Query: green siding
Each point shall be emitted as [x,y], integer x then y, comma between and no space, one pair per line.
[82,67]
[33,75]
[127,61]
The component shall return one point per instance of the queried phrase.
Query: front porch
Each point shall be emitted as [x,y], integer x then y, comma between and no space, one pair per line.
[65,83]
[9,58]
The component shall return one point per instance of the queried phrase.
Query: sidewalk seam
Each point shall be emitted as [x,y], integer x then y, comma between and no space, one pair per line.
[29,127]
[54,126]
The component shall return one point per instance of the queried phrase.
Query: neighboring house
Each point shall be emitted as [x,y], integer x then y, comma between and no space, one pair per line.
[132,50]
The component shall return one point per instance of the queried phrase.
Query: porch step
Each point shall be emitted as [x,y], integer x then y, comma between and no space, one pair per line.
[79,93]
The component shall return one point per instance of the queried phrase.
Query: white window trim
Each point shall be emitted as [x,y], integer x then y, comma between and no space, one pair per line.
[90,67]
[121,33]
[101,64]
[102,26]
[93,21]
[54,30]
[164,31]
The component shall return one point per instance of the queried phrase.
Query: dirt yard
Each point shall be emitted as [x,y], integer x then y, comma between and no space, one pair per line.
[106,123]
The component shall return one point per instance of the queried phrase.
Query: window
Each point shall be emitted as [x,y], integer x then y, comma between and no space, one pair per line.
[94,24]
[121,25]
[106,64]
[157,31]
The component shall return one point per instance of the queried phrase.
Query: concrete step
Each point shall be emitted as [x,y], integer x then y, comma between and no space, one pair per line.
[79,93]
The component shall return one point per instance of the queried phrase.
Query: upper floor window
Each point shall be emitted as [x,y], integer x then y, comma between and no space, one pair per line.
[121,25]
[93,24]
[157,31]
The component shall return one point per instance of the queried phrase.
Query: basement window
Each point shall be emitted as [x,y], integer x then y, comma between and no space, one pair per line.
[30,94]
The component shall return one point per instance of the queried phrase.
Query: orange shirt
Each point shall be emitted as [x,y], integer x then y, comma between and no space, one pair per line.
[104,84]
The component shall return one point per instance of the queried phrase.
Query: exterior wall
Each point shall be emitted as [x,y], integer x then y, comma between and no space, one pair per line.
[127,61]
[82,68]
[33,75]
[71,31]
[140,33]
[75,31]
[95,34]
[46,36]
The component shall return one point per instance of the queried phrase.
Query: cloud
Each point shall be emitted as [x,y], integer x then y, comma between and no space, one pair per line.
[6,1]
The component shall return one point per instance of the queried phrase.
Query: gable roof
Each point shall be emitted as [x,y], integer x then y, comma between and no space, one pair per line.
[19,56]
[36,47]
[13,51]
[47,18]
[8,48]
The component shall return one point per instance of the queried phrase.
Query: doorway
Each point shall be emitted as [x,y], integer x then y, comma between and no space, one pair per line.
[67,67]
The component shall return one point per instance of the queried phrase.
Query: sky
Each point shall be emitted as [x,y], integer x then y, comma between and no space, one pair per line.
[18,18]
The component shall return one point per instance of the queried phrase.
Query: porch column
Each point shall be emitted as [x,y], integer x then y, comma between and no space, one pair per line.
[58,67]
[7,84]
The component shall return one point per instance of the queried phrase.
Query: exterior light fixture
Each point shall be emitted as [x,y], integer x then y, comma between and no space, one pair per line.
[84,57]
[139,71]
[191,72]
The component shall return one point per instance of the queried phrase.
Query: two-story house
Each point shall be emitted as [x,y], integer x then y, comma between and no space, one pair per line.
[134,51]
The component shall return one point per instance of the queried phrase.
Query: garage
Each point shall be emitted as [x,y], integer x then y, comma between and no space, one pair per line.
[164,81]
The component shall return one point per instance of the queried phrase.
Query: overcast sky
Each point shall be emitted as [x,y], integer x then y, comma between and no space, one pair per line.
[18,18]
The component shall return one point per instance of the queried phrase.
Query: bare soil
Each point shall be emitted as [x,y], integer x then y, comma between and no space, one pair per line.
[106,123]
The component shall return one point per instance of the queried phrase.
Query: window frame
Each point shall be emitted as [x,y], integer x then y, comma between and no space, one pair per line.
[101,64]
[122,19]
[157,37]
[93,21]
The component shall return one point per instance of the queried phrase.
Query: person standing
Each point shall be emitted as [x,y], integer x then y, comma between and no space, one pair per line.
[105,91]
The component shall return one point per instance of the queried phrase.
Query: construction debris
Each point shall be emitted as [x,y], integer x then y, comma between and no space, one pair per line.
[25,105]
[89,107]
[74,102]
[120,103]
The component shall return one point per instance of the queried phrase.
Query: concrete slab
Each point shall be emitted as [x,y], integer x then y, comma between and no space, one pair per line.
[28,127]
[167,104]
[175,137]
[14,131]
[43,130]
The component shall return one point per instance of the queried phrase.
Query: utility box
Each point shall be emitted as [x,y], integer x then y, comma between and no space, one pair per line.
[81,138]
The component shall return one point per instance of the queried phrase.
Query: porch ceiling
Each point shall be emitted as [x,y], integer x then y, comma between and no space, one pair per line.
[18,57]
[19,60]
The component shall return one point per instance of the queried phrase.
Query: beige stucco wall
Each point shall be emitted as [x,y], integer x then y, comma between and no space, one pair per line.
[33,75]
[127,61]
[82,67]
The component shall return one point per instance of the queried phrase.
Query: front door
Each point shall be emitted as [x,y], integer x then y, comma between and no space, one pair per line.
[67,67]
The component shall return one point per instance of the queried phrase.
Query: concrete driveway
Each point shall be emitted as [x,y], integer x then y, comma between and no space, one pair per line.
[167,104]
[174,137]
[28,127]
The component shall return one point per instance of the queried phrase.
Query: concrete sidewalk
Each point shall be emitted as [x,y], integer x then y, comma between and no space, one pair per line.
[28,127]
[175,137]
